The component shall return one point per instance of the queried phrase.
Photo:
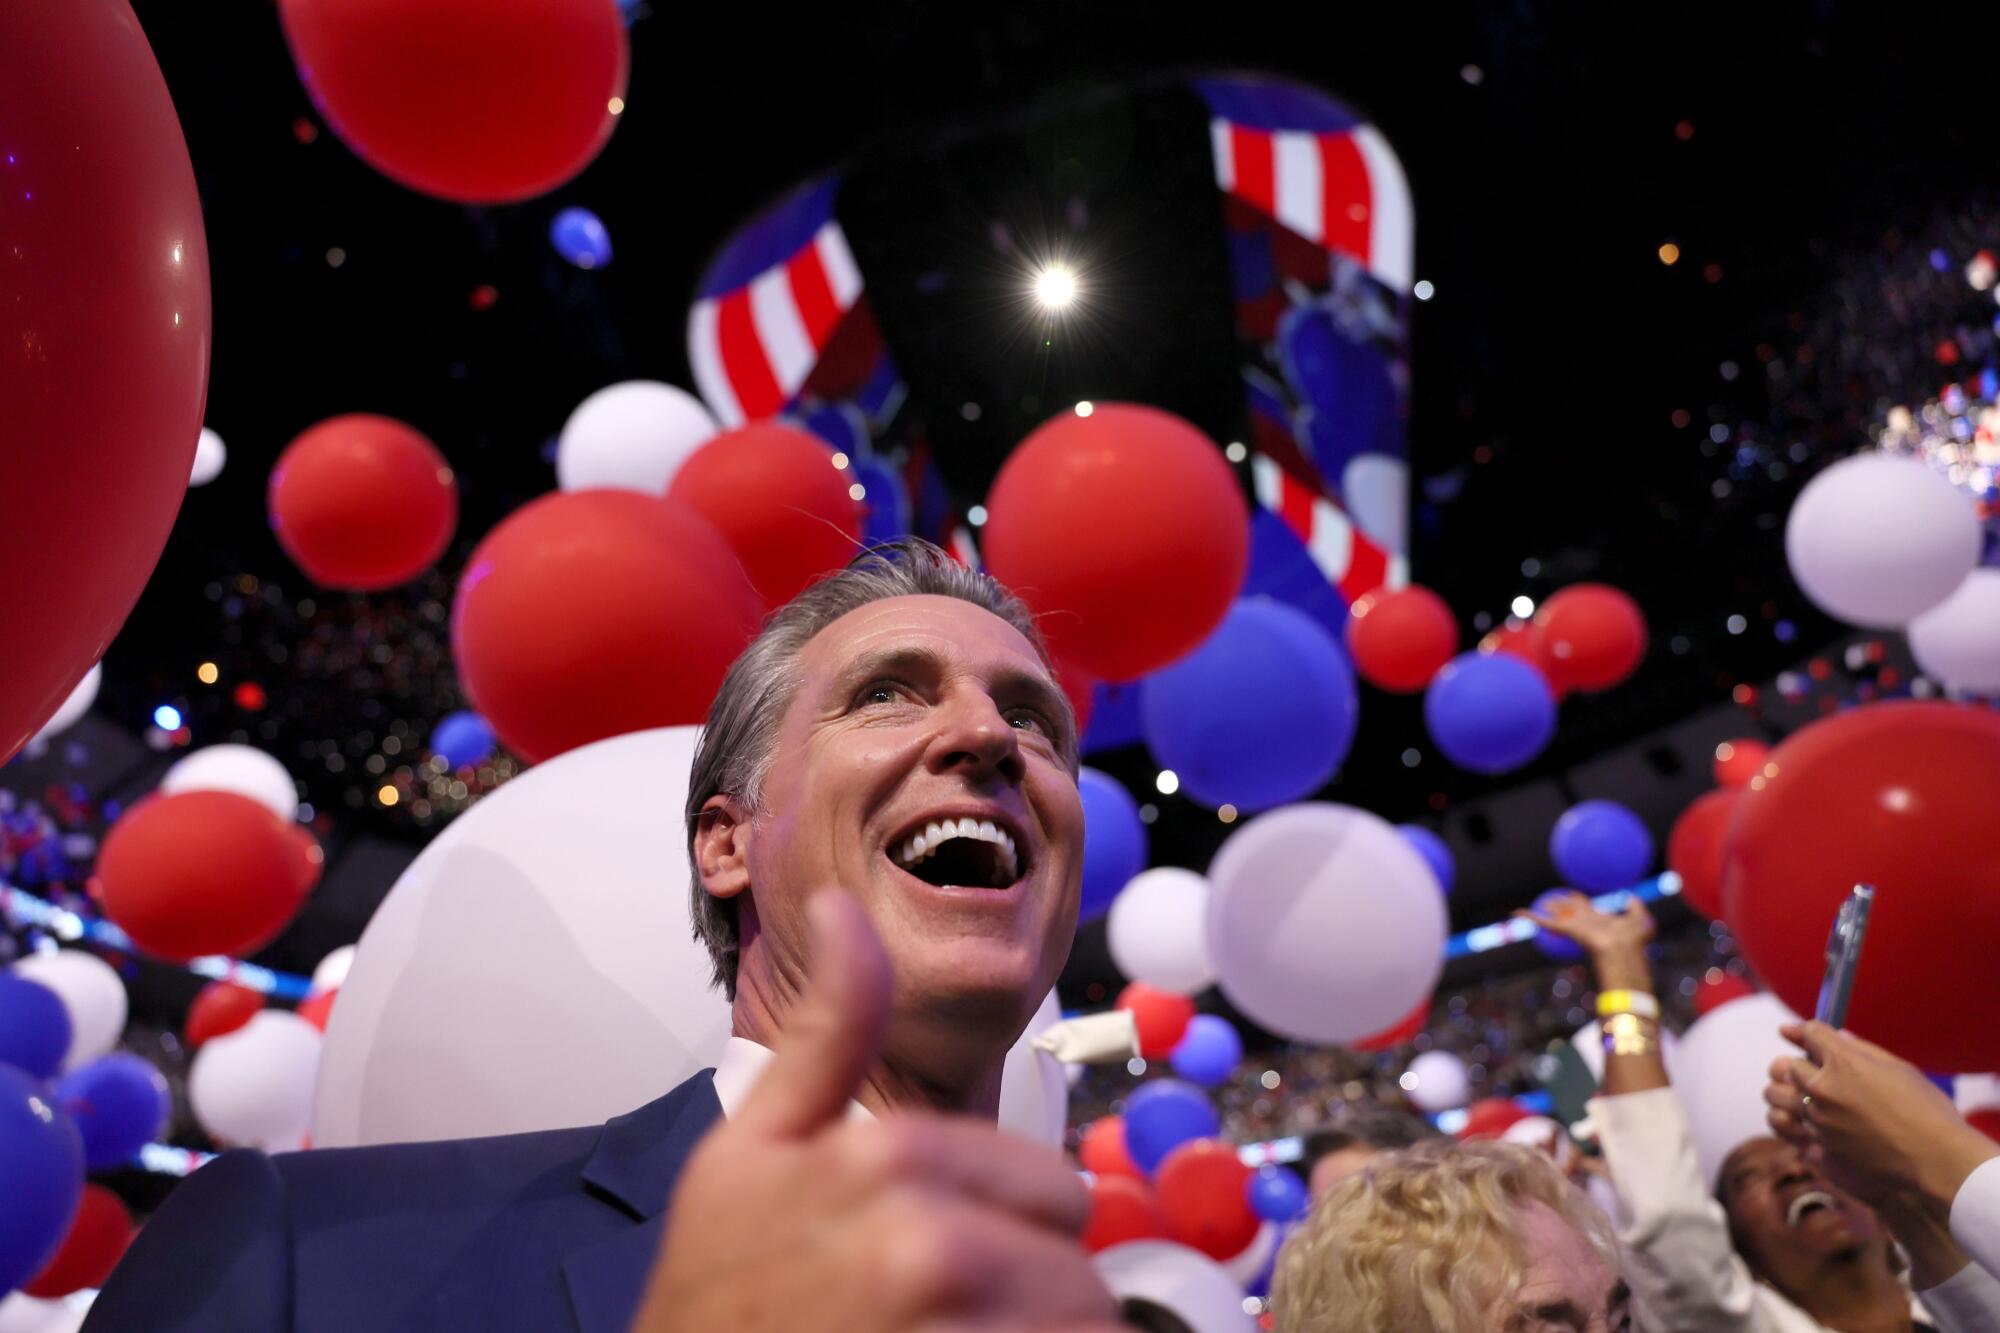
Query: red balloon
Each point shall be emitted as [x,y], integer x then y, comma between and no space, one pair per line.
[1712,995]
[1102,1149]
[1400,638]
[1526,642]
[478,101]
[200,872]
[778,500]
[1695,847]
[220,1009]
[1124,531]
[1594,635]
[1490,1117]
[1121,1210]
[1404,1032]
[1986,1120]
[1161,1017]
[1897,795]
[1204,1193]
[594,613]
[316,1009]
[1738,761]
[96,1242]
[362,502]
[106,325]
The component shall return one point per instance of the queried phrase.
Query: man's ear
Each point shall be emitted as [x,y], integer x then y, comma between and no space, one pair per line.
[722,846]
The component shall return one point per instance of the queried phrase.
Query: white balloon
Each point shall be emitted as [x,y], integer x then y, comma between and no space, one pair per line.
[333,970]
[1245,1267]
[72,709]
[24,1314]
[209,456]
[1324,923]
[1589,1043]
[1958,640]
[1724,1062]
[253,1088]
[1877,540]
[533,968]
[92,994]
[1975,1092]
[632,436]
[1437,1081]
[238,768]
[1175,1278]
[1377,490]
[1158,930]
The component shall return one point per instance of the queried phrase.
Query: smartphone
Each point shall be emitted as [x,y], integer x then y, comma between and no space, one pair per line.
[1843,956]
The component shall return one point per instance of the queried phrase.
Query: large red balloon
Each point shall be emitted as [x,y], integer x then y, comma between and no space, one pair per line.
[479,101]
[1121,1209]
[96,1242]
[589,614]
[200,872]
[1401,638]
[105,328]
[1738,761]
[1695,846]
[1125,532]
[1594,635]
[1898,795]
[1204,1193]
[363,502]
[778,500]
[220,1009]
[1162,1017]
[1102,1149]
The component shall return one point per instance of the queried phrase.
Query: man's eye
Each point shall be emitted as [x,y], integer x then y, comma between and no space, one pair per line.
[882,693]
[1030,718]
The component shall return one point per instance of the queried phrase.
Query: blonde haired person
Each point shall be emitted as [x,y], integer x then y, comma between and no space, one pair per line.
[1452,1238]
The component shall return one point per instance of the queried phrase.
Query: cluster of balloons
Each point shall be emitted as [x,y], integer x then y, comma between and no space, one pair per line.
[214,863]
[69,1103]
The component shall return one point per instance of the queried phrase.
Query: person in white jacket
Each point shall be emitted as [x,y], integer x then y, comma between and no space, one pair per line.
[1780,1247]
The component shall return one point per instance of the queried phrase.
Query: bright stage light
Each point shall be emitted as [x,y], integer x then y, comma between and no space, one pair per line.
[1055,287]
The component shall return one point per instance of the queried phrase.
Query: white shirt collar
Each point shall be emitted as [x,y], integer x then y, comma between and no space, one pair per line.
[737,1070]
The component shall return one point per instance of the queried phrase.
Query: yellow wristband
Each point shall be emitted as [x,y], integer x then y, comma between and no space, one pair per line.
[1627,1002]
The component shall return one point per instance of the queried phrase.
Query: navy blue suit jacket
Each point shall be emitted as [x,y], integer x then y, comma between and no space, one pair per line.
[556,1230]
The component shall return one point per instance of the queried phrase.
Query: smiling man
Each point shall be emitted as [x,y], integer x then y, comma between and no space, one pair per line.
[886,840]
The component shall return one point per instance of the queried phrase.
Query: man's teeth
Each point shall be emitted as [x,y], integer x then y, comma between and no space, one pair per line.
[936,833]
[1805,1203]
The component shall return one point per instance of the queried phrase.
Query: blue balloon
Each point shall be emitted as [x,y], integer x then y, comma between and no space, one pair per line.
[462,739]
[34,1026]
[1278,1195]
[579,236]
[1114,841]
[1559,947]
[1114,717]
[1161,1116]
[1489,712]
[1434,851]
[1259,715]
[885,502]
[41,1159]
[1209,1051]
[119,1103]
[1600,845]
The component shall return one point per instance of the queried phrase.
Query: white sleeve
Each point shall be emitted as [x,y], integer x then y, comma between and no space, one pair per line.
[1975,1215]
[1966,1302]
[1683,1271]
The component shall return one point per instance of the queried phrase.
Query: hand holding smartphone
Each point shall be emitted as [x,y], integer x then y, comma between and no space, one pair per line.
[1843,956]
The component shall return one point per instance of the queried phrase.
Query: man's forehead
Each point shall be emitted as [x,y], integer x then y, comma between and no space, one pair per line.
[922,623]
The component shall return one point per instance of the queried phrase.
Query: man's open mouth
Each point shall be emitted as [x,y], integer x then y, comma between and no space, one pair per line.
[1809,1202]
[965,852]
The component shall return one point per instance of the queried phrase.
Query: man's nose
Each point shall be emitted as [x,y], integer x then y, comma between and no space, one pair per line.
[974,738]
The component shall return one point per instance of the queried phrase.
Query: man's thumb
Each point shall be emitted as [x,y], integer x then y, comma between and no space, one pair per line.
[834,1030]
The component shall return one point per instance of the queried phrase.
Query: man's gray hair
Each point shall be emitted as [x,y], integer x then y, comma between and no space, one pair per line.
[735,749]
